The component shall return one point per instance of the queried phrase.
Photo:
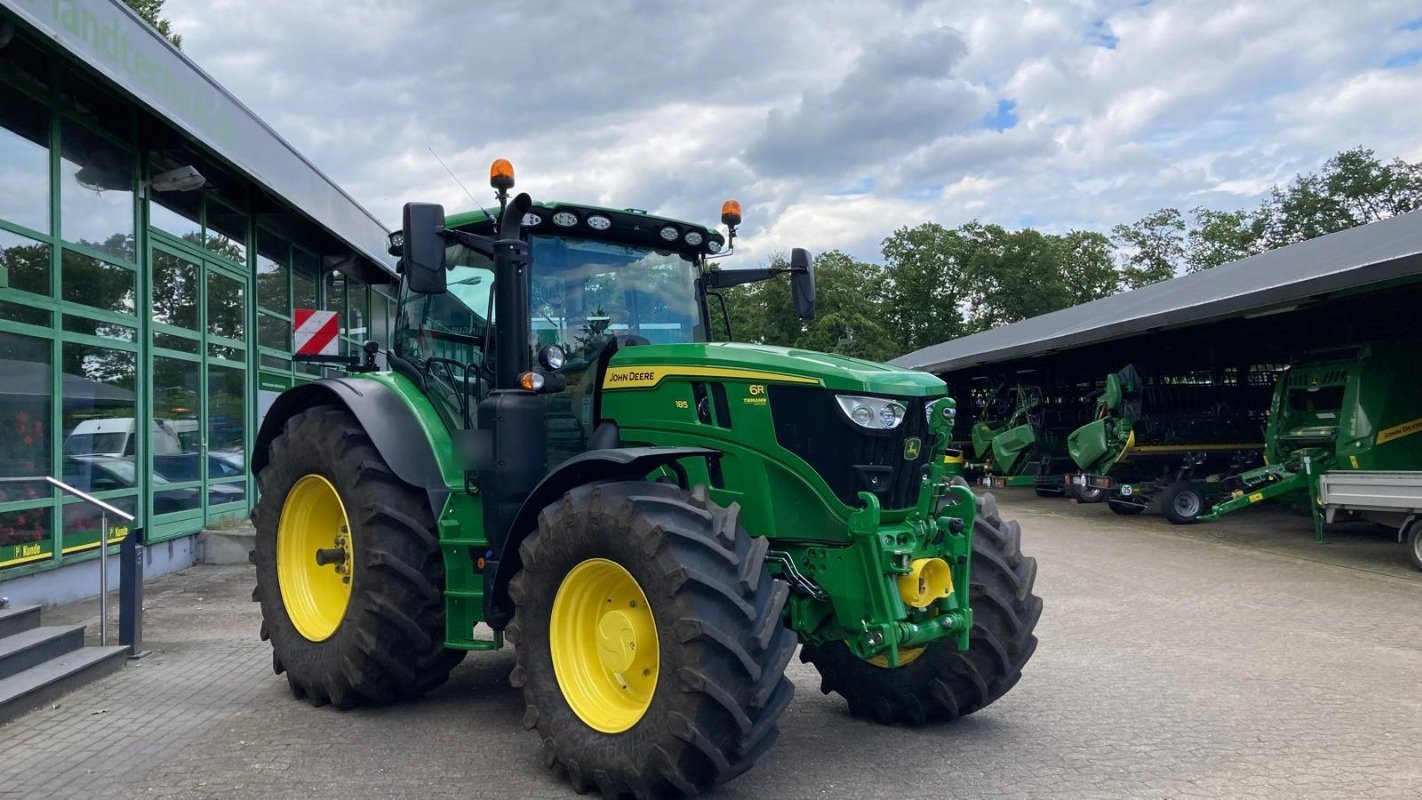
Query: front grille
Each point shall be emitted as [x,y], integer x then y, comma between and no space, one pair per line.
[809,423]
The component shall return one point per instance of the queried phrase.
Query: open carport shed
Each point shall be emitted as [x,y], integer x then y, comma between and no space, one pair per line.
[1358,285]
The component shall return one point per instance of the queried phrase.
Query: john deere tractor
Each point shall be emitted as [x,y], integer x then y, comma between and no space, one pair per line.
[557,457]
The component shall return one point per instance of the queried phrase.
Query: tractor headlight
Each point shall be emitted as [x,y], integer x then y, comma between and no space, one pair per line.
[715,243]
[874,413]
[598,222]
[552,357]
[695,238]
[670,233]
[565,219]
[532,220]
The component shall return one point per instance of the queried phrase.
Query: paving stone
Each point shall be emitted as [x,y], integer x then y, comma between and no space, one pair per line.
[1236,660]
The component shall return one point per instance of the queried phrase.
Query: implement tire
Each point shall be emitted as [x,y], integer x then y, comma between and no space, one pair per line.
[1182,503]
[942,683]
[1088,495]
[381,638]
[650,646]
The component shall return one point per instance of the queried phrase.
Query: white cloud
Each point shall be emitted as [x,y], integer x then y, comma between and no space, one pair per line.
[834,122]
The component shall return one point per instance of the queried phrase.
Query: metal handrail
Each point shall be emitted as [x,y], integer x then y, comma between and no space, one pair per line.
[104,511]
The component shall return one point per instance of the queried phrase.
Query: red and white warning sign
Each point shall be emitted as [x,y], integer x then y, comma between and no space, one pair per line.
[316,333]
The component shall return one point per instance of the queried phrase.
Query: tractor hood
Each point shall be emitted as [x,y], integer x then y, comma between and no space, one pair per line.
[754,361]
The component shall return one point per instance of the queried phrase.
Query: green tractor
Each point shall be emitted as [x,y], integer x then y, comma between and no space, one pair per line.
[558,457]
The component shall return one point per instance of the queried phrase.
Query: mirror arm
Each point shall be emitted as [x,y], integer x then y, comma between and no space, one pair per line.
[482,245]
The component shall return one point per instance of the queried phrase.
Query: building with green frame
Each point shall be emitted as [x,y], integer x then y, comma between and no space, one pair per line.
[155,237]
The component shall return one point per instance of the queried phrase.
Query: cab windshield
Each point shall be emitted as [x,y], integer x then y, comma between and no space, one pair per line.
[585,291]
[581,293]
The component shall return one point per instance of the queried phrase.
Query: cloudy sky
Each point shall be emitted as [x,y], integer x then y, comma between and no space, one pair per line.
[833,122]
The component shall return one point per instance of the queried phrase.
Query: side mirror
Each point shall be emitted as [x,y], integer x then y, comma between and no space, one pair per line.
[802,283]
[422,253]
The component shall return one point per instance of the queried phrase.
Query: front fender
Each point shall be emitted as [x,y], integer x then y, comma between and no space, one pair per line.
[593,466]
[384,415]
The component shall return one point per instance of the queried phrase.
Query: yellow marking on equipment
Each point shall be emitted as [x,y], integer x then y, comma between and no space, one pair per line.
[1354,461]
[1186,448]
[647,377]
[1399,431]
[1256,497]
[952,459]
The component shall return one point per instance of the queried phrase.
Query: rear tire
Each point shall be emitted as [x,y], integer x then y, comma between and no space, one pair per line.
[388,642]
[718,686]
[1182,503]
[943,683]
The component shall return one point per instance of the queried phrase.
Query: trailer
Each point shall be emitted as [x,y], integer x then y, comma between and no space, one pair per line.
[1390,498]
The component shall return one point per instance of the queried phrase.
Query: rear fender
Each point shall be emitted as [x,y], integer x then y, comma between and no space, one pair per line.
[593,466]
[389,422]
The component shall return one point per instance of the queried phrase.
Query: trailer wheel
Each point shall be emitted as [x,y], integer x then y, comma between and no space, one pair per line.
[938,682]
[1182,503]
[349,574]
[1088,494]
[1414,544]
[650,646]
[1125,508]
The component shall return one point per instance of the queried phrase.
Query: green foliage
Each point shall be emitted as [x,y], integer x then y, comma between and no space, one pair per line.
[1154,247]
[1219,237]
[151,11]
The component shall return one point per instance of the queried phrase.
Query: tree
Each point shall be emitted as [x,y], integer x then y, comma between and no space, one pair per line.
[1353,188]
[1155,246]
[1218,237]
[1089,266]
[151,11]
[925,270]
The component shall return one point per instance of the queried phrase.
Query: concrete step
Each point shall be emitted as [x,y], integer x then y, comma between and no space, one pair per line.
[17,619]
[20,651]
[41,684]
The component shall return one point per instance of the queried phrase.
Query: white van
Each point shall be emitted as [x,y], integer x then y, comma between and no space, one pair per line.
[115,437]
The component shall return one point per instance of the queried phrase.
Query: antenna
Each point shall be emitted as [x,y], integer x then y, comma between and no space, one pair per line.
[458,182]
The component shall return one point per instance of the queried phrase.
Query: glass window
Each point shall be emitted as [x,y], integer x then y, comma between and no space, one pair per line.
[25,536]
[100,415]
[26,390]
[274,332]
[273,362]
[177,213]
[227,232]
[336,300]
[96,192]
[82,521]
[16,312]
[226,308]
[357,305]
[24,160]
[177,434]
[106,330]
[96,283]
[226,412]
[272,292]
[24,263]
[175,290]
[303,279]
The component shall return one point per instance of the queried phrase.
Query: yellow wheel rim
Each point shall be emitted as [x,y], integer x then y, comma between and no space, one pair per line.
[604,645]
[314,558]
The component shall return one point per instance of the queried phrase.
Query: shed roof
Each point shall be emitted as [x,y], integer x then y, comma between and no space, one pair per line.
[1272,282]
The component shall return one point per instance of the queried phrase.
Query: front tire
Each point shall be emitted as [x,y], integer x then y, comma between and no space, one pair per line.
[650,567]
[363,622]
[941,683]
